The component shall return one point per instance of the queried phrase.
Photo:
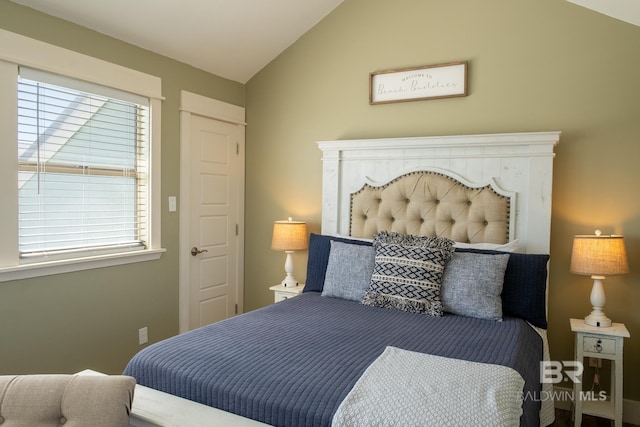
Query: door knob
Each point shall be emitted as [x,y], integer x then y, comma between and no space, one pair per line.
[195,251]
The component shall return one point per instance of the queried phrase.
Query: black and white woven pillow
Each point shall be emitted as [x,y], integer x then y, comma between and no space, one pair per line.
[407,274]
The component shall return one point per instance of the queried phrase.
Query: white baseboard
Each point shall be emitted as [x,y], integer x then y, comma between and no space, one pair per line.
[630,408]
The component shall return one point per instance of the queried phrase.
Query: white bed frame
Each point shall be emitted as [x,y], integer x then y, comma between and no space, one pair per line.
[516,163]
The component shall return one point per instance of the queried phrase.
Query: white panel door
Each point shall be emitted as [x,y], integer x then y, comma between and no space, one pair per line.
[213,220]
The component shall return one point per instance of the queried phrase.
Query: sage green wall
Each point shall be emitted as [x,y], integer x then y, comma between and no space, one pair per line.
[70,322]
[534,65]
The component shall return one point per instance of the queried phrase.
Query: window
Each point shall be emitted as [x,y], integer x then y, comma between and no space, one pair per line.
[82,167]
[79,161]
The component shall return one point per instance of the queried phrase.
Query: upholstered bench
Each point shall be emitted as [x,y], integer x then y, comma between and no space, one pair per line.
[69,400]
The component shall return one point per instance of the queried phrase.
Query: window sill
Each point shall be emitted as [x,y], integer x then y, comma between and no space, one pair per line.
[48,268]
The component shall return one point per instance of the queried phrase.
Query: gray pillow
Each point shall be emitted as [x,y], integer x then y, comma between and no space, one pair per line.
[472,284]
[348,270]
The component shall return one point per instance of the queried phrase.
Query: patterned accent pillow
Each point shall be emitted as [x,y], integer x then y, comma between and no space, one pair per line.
[472,284]
[407,273]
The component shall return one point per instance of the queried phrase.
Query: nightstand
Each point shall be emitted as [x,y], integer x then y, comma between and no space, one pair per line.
[286,292]
[599,343]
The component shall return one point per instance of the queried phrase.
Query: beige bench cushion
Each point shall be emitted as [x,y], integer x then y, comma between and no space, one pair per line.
[69,400]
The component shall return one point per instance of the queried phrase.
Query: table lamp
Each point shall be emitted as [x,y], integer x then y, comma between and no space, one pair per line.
[289,236]
[598,256]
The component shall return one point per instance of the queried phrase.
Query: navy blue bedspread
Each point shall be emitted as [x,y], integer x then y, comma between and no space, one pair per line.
[292,363]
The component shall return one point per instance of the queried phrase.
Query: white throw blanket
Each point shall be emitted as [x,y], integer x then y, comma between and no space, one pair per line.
[405,388]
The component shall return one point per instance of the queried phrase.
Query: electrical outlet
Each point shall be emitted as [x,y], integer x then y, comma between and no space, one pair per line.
[594,362]
[143,335]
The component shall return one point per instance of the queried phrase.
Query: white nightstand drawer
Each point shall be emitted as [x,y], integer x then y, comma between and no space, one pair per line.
[282,293]
[595,344]
[281,297]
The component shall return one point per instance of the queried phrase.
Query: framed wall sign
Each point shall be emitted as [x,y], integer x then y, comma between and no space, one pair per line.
[418,83]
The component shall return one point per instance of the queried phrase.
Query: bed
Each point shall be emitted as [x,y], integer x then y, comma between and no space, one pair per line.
[373,337]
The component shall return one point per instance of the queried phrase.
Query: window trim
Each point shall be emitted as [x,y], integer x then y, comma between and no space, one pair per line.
[46,268]
[18,50]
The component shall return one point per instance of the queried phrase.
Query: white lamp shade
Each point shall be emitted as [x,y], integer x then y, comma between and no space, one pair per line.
[599,255]
[289,236]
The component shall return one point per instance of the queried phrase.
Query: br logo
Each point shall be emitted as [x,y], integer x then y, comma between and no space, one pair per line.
[555,372]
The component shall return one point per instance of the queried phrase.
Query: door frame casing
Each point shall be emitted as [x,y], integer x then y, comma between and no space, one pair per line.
[194,104]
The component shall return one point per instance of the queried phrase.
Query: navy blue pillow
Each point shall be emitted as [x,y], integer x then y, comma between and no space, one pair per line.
[319,248]
[525,286]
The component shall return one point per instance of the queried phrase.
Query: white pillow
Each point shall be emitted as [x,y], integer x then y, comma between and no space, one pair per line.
[362,239]
[512,246]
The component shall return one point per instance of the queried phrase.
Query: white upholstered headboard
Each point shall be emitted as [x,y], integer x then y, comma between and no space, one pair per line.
[516,163]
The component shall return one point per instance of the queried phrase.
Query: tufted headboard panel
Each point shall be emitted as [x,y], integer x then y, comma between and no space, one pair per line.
[431,204]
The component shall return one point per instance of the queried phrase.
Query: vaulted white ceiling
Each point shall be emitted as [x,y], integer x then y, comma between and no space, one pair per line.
[230,38]
[625,10]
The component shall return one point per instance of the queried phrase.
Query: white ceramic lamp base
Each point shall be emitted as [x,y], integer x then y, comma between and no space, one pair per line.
[289,280]
[597,317]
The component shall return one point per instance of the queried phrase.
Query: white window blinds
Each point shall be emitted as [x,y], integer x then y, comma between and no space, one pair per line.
[82,166]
